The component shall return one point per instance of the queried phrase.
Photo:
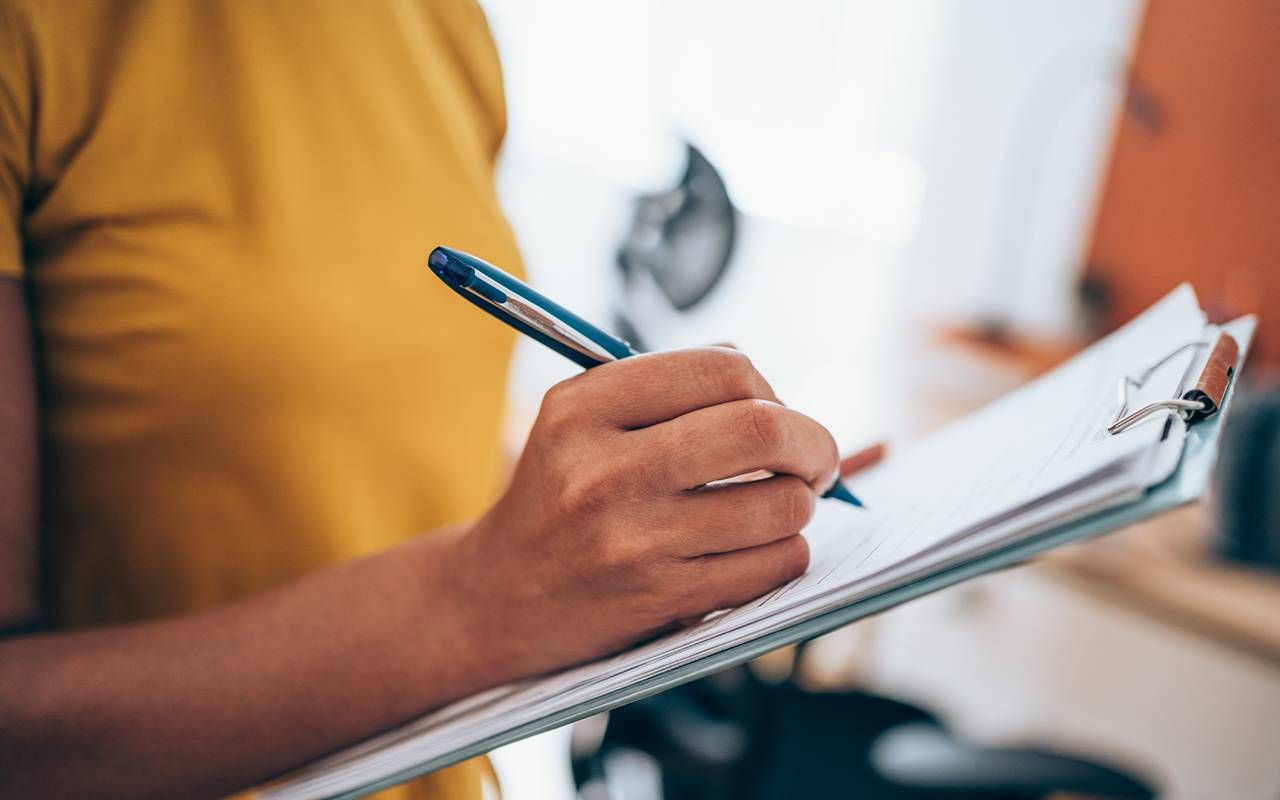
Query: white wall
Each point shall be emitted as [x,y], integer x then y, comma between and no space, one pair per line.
[919,157]
[931,158]
[1019,137]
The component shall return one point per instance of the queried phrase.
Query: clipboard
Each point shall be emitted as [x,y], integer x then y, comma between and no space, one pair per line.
[1212,387]
[1201,399]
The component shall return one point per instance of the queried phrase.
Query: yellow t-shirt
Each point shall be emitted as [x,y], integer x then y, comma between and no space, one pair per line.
[222,211]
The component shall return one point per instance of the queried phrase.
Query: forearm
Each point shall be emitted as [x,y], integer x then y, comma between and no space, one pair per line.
[207,704]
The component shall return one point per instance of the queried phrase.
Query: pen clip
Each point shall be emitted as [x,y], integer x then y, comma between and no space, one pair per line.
[539,319]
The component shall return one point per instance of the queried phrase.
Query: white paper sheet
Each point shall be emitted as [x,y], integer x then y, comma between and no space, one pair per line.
[1033,460]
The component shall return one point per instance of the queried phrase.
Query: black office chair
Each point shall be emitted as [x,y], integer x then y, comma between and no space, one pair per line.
[922,756]
[738,737]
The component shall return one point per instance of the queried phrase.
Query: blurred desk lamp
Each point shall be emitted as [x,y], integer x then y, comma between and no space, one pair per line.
[681,240]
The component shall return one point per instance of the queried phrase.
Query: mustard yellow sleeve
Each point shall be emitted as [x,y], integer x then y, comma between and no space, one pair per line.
[15,141]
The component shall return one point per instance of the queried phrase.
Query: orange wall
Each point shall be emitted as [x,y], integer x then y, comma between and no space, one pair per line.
[1193,190]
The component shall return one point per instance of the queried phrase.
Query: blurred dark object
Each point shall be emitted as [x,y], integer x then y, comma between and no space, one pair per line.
[1248,488]
[735,736]
[921,755]
[1194,179]
[681,240]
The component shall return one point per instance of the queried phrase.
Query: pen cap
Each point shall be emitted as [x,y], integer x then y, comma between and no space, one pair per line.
[446,262]
[448,269]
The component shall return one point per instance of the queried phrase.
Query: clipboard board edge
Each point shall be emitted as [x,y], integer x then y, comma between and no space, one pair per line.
[1185,485]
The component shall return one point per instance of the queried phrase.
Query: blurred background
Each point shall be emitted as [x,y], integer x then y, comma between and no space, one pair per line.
[945,199]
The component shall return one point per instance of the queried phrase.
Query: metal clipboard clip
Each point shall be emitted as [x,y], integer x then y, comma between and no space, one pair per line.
[1201,400]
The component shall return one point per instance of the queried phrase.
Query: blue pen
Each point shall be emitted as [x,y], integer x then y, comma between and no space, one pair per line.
[510,300]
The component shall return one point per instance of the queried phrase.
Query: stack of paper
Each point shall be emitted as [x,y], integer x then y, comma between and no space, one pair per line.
[1034,461]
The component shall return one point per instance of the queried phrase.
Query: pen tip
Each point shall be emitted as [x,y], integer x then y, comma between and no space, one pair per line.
[839,492]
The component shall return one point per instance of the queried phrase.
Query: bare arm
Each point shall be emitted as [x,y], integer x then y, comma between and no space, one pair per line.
[596,544]
[203,705]
[206,704]
[18,469]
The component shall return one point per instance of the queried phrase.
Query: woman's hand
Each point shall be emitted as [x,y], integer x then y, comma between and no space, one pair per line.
[603,537]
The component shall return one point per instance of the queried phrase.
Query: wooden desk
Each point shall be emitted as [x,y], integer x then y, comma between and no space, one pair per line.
[1165,568]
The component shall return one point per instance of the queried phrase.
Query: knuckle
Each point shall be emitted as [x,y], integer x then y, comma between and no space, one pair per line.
[690,598]
[678,589]
[558,405]
[620,480]
[653,479]
[583,490]
[592,474]
[763,423]
[738,376]
[617,554]
[795,557]
[573,496]
[794,503]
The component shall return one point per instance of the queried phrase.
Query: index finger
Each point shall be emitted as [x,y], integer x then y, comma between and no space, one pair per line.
[652,388]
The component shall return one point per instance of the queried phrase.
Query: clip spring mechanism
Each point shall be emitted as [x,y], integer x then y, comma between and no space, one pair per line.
[1203,399]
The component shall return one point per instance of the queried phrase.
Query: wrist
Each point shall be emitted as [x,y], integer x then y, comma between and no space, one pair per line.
[462,638]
